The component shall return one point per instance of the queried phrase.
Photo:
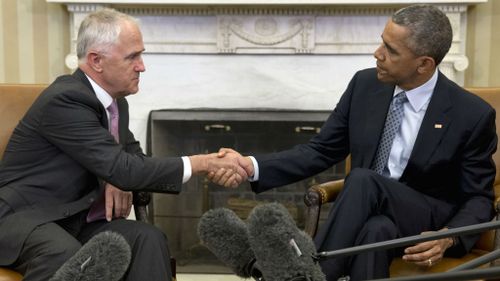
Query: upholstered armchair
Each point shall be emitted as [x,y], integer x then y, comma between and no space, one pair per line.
[15,99]
[324,193]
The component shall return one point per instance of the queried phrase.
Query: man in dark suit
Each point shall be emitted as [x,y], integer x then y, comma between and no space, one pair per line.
[71,150]
[437,170]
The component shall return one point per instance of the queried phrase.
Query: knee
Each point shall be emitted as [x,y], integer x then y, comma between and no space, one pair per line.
[361,174]
[59,253]
[378,228]
[361,180]
[152,233]
[147,235]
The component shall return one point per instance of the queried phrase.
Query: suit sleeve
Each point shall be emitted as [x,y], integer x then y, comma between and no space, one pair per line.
[327,148]
[476,180]
[71,122]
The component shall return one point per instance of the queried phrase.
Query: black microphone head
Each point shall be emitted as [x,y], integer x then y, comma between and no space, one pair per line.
[105,257]
[283,252]
[226,236]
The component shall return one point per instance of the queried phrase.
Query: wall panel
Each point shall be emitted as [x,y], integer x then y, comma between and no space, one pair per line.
[34,40]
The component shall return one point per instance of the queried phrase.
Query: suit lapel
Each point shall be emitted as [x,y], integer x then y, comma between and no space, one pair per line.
[434,125]
[377,107]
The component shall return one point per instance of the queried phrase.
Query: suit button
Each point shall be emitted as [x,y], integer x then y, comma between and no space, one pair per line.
[91,200]
[67,213]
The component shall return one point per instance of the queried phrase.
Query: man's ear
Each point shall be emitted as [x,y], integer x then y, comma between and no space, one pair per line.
[427,64]
[94,60]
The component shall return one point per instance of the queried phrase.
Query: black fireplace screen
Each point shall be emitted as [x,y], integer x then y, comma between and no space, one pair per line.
[251,132]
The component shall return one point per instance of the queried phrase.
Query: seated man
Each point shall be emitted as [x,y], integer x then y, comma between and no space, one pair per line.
[73,152]
[421,149]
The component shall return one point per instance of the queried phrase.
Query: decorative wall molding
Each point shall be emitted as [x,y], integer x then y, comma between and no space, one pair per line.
[85,8]
[305,29]
[295,54]
[279,29]
[254,32]
[267,2]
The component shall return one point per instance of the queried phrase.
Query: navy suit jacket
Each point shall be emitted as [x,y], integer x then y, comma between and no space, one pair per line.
[59,153]
[451,161]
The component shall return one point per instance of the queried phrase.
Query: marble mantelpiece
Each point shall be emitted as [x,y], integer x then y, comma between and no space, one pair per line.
[294,54]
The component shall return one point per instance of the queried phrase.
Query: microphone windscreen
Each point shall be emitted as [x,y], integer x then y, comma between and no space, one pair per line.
[105,257]
[226,236]
[279,258]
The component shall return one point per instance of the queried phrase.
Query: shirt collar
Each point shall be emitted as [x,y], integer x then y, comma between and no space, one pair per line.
[420,96]
[101,94]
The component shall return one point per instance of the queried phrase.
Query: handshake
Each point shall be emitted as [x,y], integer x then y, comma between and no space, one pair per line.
[227,167]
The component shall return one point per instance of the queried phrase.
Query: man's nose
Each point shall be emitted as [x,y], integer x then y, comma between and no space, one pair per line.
[140,67]
[378,54]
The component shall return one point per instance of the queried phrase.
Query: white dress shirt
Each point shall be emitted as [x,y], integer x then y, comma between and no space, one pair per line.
[414,112]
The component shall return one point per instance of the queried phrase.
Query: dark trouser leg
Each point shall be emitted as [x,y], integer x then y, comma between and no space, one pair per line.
[367,194]
[45,250]
[373,264]
[150,255]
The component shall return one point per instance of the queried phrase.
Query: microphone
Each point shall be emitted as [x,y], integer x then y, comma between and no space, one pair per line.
[105,257]
[283,252]
[226,236]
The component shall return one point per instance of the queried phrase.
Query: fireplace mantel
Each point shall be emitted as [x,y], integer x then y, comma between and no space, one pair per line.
[332,27]
[289,54]
[264,2]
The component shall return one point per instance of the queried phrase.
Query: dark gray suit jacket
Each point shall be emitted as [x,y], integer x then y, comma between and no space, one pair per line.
[59,152]
[452,162]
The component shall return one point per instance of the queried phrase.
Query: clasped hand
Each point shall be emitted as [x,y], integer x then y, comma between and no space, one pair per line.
[229,168]
[427,253]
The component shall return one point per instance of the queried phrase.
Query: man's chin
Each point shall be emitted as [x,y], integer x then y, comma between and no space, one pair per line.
[134,90]
[383,77]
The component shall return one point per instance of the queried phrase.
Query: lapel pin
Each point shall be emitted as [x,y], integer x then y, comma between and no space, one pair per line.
[438,126]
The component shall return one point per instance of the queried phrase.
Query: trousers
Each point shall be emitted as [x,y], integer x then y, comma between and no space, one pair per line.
[373,208]
[52,244]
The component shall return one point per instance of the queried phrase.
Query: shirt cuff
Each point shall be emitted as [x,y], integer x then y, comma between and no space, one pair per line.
[255,176]
[188,170]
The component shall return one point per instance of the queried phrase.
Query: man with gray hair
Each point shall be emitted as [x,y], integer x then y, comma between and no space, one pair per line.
[421,153]
[71,163]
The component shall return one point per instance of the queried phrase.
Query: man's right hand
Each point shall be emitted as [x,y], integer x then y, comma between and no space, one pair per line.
[226,168]
[228,178]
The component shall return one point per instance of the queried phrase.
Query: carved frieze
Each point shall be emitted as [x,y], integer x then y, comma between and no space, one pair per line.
[274,29]
[253,33]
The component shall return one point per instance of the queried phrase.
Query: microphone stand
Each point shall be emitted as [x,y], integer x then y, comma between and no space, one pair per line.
[465,271]
[490,272]
[410,240]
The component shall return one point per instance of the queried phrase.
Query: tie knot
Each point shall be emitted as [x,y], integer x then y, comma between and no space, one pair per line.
[400,98]
[113,108]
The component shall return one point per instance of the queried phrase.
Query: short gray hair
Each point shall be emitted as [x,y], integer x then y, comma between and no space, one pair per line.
[430,30]
[100,30]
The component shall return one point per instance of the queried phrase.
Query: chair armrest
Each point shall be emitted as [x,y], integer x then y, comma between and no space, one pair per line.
[9,275]
[497,205]
[316,196]
[141,201]
[496,239]
[324,192]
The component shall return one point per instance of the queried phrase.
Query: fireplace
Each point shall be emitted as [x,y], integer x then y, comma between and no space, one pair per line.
[249,131]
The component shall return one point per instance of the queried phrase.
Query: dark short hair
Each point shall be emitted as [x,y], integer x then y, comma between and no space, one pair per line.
[430,30]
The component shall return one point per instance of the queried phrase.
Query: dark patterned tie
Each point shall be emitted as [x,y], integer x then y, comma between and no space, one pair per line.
[98,209]
[392,125]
